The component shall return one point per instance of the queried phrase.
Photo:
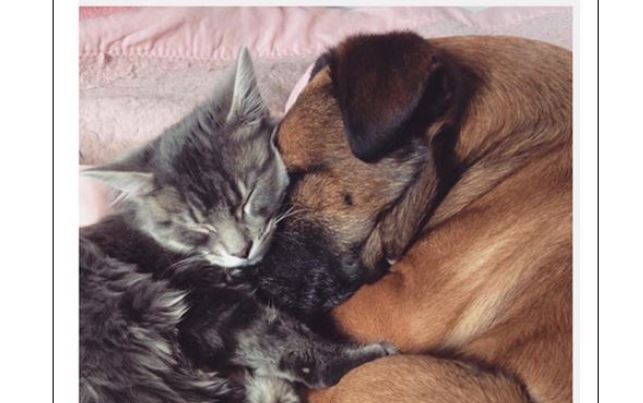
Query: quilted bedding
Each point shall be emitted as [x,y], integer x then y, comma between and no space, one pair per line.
[142,68]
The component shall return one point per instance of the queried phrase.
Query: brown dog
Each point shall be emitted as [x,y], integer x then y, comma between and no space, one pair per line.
[451,157]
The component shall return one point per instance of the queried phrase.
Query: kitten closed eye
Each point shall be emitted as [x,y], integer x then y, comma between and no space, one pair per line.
[195,237]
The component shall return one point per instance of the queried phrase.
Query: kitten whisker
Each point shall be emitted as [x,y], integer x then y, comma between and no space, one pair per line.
[187,263]
[292,211]
[118,199]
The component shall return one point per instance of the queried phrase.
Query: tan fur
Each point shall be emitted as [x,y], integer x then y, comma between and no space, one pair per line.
[490,279]
[426,379]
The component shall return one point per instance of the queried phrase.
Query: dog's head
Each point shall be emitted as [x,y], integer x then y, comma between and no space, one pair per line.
[359,145]
[360,138]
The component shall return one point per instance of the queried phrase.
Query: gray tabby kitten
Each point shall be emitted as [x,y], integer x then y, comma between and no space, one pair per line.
[162,318]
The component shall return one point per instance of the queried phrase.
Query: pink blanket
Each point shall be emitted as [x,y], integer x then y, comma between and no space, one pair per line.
[142,68]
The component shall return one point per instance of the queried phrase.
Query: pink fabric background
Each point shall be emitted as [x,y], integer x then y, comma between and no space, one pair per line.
[142,68]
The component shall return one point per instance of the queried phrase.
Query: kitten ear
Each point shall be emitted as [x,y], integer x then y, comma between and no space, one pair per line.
[128,182]
[126,174]
[246,100]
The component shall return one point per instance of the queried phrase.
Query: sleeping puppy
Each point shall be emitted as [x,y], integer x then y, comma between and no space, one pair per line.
[449,160]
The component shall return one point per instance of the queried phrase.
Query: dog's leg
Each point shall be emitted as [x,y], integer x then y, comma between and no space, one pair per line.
[426,379]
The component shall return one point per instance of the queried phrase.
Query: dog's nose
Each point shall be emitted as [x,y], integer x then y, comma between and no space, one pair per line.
[243,252]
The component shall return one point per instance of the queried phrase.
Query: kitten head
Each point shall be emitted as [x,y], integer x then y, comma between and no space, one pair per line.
[211,185]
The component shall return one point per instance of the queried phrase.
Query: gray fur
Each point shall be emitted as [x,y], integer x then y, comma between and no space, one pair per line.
[276,345]
[270,390]
[161,319]
[211,184]
[128,338]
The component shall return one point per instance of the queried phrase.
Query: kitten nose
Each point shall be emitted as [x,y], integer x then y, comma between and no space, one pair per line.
[244,251]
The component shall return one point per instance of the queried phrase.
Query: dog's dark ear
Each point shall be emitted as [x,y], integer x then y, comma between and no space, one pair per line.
[379,81]
[321,62]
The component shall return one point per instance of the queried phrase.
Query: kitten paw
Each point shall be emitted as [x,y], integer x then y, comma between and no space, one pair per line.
[337,367]
[378,350]
[389,349]
[270,390]
[235,276]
